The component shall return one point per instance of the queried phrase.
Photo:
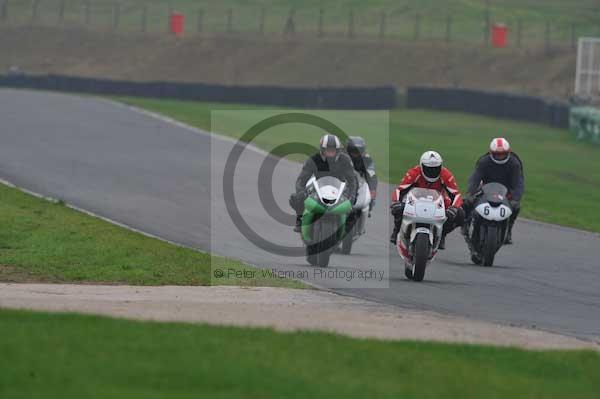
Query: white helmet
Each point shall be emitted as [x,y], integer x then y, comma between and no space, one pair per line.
[500,150]
[431,166]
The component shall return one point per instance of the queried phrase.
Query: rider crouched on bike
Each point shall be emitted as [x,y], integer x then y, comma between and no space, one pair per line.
[499,165]
[364,164]
[430,174]
[329,161]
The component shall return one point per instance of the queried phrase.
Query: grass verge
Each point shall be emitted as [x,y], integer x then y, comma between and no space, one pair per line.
[72,356]
[562,176]
[49,242]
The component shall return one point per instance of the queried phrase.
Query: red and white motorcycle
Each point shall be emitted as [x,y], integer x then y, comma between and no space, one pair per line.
[421,231]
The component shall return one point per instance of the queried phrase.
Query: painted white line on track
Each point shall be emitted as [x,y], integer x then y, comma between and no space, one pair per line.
[182,125]
[93,214]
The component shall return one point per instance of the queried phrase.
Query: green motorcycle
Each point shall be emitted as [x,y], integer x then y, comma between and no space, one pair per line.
[324,218]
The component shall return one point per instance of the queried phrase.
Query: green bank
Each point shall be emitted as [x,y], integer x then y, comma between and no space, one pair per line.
[43,241]
[73,356]
[430,18]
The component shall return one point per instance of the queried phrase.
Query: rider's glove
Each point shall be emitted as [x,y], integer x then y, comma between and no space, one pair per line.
[397,209]
[515,204]
[451,213]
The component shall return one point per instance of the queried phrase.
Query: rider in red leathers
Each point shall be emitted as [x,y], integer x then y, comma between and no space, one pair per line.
[432,175]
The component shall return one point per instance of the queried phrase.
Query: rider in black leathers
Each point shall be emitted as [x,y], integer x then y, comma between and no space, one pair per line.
[329,161]
[500,165]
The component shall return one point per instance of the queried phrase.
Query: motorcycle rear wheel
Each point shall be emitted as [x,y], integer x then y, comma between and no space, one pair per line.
[348,239]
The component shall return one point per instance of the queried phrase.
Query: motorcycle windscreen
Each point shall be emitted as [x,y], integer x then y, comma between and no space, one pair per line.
[494,193]
[330,188]
[425,193]
[329,181]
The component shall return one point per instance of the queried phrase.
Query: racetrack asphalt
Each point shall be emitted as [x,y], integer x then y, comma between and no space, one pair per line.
[167,179]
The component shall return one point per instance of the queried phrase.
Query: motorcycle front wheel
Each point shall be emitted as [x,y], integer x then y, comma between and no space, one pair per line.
[421,256]
[325,241]
[490,245]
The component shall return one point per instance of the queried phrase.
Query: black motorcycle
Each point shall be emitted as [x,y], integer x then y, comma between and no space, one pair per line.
[488,226]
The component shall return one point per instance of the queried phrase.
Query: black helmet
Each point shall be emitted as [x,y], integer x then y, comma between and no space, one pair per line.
[330,147]
[356,147]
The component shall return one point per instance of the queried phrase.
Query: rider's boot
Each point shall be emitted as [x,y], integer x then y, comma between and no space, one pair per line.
[442,242]
[297,227]
[508,240]
[394,235]
[464,229]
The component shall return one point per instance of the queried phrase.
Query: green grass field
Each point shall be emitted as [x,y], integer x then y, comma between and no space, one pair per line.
[72,356]
[48,242]
[467,16]
[562,175]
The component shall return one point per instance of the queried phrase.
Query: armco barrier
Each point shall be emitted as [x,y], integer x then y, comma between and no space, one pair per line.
[318,97]
[499,105]
[584,122]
